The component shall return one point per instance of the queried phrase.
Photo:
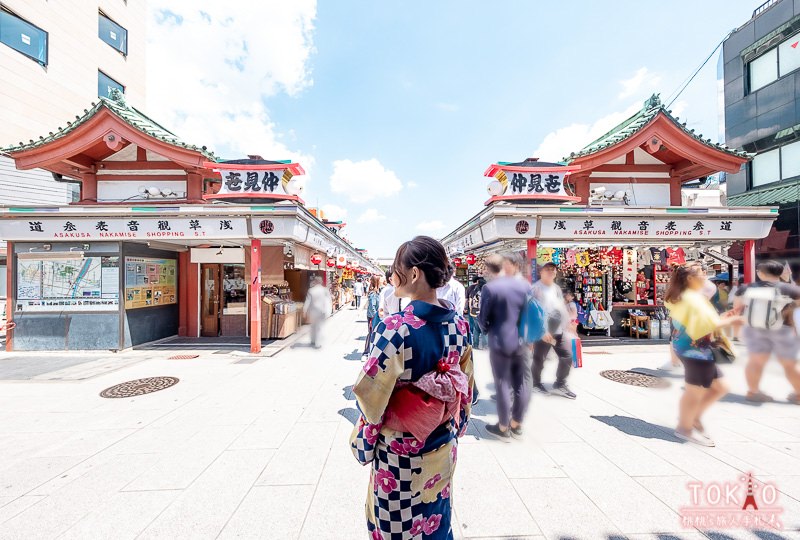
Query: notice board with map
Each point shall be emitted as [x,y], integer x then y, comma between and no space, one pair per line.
[88,284]
[150,282]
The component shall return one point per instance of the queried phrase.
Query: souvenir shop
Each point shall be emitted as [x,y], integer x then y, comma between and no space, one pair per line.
[616,260]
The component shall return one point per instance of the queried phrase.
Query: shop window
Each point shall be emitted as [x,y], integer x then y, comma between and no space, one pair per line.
[23,37]
[763,70]
[234,289]
[105,84]
[766,168]
[113,34]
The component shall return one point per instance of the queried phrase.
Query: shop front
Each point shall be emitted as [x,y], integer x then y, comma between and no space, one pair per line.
[616,217]
[165,240]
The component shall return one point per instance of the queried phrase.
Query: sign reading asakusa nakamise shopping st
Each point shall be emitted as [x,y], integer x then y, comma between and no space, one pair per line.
[685,227]
[107,228]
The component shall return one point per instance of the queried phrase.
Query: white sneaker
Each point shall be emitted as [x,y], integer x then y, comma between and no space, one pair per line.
[695,438]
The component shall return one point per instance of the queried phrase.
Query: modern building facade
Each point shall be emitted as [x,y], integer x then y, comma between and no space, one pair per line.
[56,58]
[762,116]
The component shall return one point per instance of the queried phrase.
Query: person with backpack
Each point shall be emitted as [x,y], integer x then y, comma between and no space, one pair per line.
[373,306]
[768,308]
[549,296]
[503,300]
[474,309]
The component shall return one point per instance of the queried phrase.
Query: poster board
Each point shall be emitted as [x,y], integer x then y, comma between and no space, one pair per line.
[69,284]
[150,282]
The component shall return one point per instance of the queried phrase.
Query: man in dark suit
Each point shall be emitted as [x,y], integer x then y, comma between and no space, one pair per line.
[502,302]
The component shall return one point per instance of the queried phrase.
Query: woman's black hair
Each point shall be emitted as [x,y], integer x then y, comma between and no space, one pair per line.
[771,268]
[428,255]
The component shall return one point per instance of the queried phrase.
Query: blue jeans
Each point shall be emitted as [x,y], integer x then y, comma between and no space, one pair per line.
[478,337]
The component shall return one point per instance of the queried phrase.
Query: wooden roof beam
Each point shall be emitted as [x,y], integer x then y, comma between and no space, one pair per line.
[81,161]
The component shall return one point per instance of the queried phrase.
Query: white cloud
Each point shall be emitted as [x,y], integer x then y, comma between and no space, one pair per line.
[370,216]
[559,143]
[333,212]
[431,227]
[211,64]
[363,181]
[642,81]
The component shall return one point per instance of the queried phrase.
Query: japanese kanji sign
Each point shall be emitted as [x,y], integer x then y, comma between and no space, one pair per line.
[535,183]
[664,227]
[122,228]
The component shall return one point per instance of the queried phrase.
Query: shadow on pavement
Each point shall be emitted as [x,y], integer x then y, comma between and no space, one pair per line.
[762,534]
[347,393]
[350,414]
[483,407]
[742,400]
[657,373]
[302,346]
[353,356]
[638,428]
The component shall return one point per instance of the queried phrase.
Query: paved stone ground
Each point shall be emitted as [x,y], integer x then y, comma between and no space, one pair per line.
[257,448]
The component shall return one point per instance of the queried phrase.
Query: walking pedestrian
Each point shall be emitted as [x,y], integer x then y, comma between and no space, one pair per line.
[696,334]
[373,307]
[358,292]
[473,294]
[414,398]
[768,307]
[502,302]
[551,300]
[317,307]
[453,291]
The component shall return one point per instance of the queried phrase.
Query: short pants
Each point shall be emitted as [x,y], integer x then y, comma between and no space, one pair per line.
[700,372]
[783,342]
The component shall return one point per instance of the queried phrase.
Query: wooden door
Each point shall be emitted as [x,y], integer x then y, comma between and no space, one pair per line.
[210,299]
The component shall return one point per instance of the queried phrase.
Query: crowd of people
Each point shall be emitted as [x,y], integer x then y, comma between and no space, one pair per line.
[416,390]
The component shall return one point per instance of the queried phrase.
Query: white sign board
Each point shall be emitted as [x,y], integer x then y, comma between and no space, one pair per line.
[665,228]
[523,183]
[128,228]
[249,182]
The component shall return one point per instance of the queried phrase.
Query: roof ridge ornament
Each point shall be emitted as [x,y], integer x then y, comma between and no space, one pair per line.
[117,96]
[653,102]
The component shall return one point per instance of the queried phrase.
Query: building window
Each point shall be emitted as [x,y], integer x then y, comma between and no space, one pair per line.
[763,70]
[779,164]
[24,37]
[113,34]
[105,84]
[766,168]
[774,64]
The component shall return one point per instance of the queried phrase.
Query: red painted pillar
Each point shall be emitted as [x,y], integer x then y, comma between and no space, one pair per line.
[183,293]
[89,188]
[194,187]
[255,295]
[533,243]
[10,296]
[749,261]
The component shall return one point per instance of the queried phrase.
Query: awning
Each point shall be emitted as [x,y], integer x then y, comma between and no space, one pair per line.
[779,194]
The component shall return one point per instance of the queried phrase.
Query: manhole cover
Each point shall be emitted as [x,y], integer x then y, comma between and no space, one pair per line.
[634,379]
[139,387]
[183,357]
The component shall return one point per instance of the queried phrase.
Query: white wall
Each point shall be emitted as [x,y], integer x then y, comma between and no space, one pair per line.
[640,194]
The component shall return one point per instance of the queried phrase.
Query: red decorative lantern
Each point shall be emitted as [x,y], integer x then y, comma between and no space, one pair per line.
[316,258]
[471,259]
[457,261]
[331,263]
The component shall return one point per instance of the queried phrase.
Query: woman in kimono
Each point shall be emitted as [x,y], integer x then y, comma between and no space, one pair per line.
[414,395]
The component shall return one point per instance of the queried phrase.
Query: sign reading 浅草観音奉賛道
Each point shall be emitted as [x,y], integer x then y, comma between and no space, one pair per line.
[678,228]
[121,228]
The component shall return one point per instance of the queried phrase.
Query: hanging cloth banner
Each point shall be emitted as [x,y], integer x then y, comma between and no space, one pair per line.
[629,263]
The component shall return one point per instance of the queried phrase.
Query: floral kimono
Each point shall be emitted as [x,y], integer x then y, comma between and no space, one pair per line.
[427,347]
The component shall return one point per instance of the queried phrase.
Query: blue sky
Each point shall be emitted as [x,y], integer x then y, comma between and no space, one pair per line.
[396,108]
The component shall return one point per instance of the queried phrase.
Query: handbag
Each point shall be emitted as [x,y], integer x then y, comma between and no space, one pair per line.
[721,354]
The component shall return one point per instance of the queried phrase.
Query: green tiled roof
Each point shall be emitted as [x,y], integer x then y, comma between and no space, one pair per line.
[130,115]
[784,193]
[651,109]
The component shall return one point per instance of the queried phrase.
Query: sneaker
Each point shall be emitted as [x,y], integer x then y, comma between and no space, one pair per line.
[540,389]
[475,397]
[758,397]
[698,439]
[495,430]
[669,366]
[516,432]
[563,391]
[793,398]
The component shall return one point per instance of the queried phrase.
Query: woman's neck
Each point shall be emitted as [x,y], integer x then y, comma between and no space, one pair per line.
[428,296]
